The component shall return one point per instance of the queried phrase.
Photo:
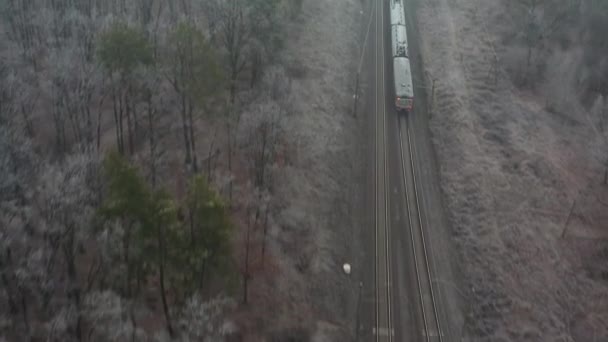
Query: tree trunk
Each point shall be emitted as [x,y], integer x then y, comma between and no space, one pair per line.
[152,135]
[58,121]
[89,123]
[29,128]
[155,32]
[186,9]
[161,264]
[262,166]
[192,137]
[246,270]
[164,299]
[12,305]
[73,116]
[229,161]
[265,231]
[210,157]
[185,129]
[117,120]
[26,322]
[11,296]
[130,128]
[233,88]
[172,12]
[133,322]
[606,176]
[192,223]
[255,65]
[126,251]
[99,128]
[121,113]
[528,61]
[202,276]
[74,287]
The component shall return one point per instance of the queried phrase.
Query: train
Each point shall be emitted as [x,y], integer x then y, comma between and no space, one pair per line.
[402,73]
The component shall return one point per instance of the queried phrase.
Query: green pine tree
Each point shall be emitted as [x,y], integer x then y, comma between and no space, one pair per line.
[210,231]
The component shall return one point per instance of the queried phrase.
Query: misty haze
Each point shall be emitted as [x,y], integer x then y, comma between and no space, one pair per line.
[303,170]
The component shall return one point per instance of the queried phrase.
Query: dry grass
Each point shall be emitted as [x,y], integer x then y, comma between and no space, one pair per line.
[511,170]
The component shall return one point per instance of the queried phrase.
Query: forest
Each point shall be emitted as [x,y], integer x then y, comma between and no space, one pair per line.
[138,141]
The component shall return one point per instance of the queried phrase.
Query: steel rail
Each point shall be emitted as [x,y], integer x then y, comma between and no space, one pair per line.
[376,172]
[381,149]
[424,256]
[386,185]
[422,234]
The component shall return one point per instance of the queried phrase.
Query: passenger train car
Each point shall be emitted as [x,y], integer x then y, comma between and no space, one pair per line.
[402,74]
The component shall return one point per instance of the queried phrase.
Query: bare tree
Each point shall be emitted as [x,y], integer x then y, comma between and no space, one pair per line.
[74,85]
[264,135]
[262,130]
[266,27]
[20,15]
[195,76]
[20,97]
[541,19]
[229,23]
[123,49]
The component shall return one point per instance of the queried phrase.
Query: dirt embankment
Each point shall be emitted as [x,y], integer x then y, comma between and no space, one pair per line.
[522,187]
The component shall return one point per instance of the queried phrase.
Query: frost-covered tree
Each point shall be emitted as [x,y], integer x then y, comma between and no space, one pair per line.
[105,311]
[229,22]
[195,75]
[205,320]
[66,201]
[267,34]
[45,218]
[123,49]
[21,262]
[539,21]
[73,73]
[75,82]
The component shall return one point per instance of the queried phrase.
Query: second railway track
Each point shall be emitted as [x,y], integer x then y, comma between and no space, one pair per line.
[429,316]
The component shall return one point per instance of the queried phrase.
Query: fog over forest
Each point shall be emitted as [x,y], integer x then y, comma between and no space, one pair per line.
[194,170]
[125,188]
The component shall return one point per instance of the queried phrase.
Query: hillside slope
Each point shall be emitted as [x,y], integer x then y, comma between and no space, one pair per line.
[522,185]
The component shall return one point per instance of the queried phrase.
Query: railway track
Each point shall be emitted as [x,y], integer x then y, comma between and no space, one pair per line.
[383,330]
[422,299]
[429,315]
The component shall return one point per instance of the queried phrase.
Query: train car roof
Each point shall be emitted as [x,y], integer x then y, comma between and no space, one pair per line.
[397,14]
[403,77]
[399,40]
